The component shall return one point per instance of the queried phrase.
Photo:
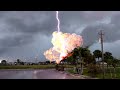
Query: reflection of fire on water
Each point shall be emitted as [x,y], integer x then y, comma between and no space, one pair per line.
[63,44]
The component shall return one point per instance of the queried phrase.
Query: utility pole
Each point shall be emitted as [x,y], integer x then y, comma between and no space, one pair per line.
[101,41]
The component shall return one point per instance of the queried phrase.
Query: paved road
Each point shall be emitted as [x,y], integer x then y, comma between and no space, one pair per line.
[34,74]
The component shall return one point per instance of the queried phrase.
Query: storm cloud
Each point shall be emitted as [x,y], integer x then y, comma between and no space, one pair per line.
[25,34]
[111,31]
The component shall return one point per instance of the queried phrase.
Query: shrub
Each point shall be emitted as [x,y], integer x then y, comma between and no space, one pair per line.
[93,70]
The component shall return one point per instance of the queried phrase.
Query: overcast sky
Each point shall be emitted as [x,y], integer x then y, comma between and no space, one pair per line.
[26,34]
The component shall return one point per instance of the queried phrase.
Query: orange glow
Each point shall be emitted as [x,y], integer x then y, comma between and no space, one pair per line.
[69,54]
[63,44]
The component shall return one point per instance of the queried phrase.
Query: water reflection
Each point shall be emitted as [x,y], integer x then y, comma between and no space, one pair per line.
[35,74]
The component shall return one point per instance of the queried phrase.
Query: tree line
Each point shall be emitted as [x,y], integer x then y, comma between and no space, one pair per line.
[83,57]
[20,62]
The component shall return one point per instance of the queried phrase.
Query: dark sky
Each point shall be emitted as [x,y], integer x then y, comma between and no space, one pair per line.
[27,34]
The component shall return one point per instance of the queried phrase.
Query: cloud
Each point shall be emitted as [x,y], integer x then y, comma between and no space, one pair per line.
[20,28]
[111,31]
[30,22]
[112,47]
[30,50]
[25,33]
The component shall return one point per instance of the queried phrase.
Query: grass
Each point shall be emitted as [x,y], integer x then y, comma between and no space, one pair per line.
[31,66]
[100,75]
[71,71]
[27,67]
[112,75]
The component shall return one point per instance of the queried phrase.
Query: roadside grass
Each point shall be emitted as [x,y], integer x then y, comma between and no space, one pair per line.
[27,67]
[71,71]
[108,75]
[31,66]
[68,66]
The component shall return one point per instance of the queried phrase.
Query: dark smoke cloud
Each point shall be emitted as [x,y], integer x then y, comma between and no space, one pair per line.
[14,41]
[30,22]
[25,33]
[111,31]
[20,28]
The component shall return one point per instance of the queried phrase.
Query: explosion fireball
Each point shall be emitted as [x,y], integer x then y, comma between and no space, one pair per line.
[63,44]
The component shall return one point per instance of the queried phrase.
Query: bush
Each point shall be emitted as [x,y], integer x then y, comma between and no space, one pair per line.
[93,70]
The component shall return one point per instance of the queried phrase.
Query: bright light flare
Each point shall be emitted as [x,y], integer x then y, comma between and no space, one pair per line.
[63,44]
[57,17]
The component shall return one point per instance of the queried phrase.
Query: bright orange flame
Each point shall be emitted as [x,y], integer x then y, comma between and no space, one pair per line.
[63,44]
[69,54]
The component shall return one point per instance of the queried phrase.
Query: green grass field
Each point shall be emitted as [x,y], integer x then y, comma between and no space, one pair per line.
[71,71]
[109,73]
[32,66]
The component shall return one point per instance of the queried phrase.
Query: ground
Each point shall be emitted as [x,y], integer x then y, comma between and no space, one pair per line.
[36,74]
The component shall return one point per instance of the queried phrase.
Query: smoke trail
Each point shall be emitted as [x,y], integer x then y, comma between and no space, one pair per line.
[57,17]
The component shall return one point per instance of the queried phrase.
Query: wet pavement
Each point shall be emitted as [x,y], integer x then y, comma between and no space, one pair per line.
[34,74]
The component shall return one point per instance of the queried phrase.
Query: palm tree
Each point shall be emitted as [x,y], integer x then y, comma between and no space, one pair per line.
[18,61]
[81,55]
[89,59]
[97,54]
[84,54]
[110,60]
[107,57]
[74,58]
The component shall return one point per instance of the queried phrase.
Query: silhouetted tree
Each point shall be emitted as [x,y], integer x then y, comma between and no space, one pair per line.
[80,55]
[97,54]
[21,63]
[47,62]
[3,62]
[107,57]
[18,61]
[114,64]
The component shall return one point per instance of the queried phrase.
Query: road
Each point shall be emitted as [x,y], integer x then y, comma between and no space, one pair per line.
[34,74]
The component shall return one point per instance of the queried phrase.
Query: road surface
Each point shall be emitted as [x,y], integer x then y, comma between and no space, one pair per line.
[34,74]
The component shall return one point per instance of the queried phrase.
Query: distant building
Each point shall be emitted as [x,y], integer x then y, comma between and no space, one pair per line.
[101,63]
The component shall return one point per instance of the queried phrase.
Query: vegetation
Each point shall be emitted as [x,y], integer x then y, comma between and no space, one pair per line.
[81,61]
[100,75]
[31,66]
[97,54]
[86,59]
[81,57]
[3,62]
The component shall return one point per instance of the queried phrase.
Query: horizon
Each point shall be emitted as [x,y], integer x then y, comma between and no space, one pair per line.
[27,34]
